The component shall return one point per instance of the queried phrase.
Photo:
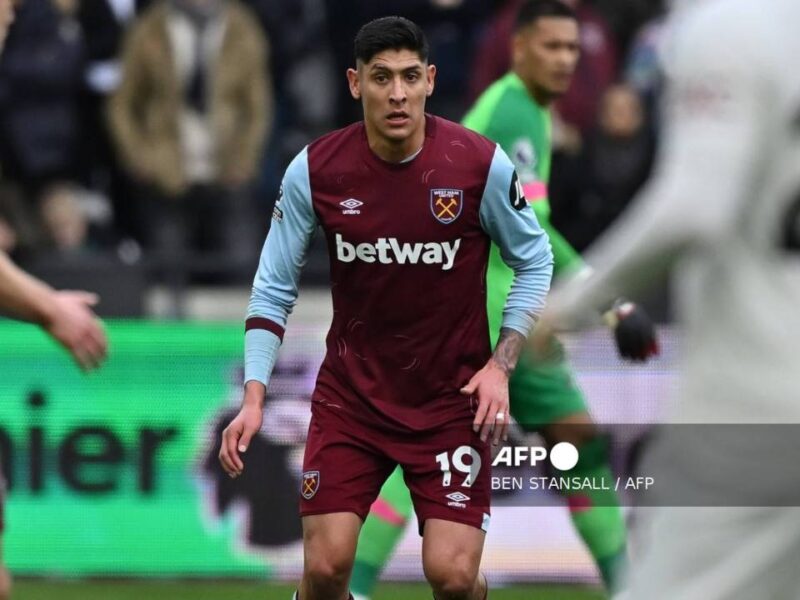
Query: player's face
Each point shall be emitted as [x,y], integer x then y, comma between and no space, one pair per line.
[393,87]
[545,54]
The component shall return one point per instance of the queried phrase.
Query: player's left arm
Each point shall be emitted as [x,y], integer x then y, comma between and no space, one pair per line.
[718,105]
[511,224]
[65,315]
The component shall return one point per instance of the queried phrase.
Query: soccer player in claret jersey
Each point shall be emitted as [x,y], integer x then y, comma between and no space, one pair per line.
[409,204]
[515,112]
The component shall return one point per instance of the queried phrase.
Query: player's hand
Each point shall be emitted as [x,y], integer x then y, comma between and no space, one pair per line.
[633,330]
[72,323]
[490,386]
[237,435]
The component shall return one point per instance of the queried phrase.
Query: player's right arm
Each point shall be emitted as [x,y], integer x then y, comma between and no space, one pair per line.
[271,301]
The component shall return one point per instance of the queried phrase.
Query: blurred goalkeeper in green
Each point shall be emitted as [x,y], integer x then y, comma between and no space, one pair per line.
[544,397]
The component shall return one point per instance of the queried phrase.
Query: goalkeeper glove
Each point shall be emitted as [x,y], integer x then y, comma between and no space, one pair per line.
[633,330]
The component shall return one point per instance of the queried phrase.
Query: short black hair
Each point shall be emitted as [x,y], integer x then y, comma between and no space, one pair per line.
[390,33]
[532,10]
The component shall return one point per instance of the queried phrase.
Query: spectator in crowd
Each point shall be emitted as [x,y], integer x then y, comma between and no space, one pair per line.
[104,23]
[65,220]
[189,120]
[615,162]
[304,82]
[8,236]
[40,72]
[68,221]
[597,69]
[21,228]
[493,48]
[626,17]
[6,18]
[342,28]
[643,68]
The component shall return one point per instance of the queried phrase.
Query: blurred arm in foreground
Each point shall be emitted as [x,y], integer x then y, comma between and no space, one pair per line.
[66,316]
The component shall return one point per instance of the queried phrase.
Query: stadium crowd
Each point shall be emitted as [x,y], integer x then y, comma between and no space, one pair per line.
[155,131]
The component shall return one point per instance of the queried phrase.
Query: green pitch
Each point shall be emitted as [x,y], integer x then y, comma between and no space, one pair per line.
[216,590]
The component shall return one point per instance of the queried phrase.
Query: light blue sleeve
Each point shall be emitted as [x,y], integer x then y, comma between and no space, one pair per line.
[274,292]
[524,246]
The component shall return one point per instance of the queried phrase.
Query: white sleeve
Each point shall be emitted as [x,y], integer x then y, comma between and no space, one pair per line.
[715,125]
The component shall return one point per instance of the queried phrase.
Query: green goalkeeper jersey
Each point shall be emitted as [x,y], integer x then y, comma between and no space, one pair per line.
[508,114]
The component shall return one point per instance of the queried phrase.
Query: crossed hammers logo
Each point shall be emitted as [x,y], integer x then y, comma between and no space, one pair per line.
[310,484]
[446,208]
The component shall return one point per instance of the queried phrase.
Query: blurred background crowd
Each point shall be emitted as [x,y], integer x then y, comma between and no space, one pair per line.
[142,142]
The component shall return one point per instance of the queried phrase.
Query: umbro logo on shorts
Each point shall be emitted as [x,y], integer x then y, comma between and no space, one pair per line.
[457,500]
[310,484]
[457,497]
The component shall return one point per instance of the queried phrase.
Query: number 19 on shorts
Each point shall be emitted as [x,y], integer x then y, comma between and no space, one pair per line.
[470,469]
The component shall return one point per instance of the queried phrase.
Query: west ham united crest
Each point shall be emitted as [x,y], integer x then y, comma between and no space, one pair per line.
[310,484]
[446,204]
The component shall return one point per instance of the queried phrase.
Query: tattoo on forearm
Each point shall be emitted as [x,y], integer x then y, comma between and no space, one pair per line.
[506,353]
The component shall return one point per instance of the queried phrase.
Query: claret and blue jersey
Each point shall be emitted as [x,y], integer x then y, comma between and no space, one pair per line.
[409,244]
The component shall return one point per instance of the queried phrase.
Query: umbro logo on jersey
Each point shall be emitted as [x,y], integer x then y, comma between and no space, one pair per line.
[388,251]
[350,206]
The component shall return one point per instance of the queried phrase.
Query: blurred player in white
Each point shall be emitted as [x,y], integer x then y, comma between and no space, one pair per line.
[724,211]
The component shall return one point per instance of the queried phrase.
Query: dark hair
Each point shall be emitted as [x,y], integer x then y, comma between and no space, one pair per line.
[532,10]
[390,33]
